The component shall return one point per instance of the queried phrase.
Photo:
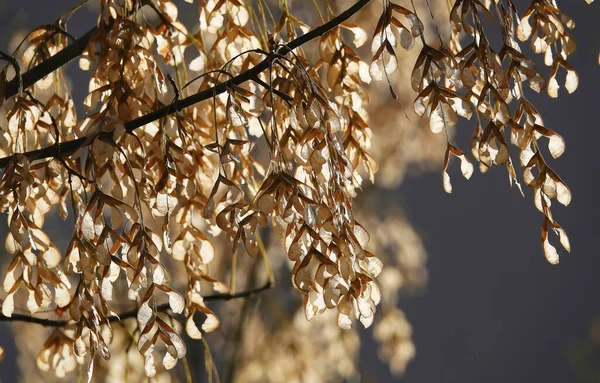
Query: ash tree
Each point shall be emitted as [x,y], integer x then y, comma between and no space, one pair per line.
[217,159]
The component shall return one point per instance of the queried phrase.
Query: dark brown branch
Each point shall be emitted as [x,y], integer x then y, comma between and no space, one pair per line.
[69,147]
[38,72]
[132,313]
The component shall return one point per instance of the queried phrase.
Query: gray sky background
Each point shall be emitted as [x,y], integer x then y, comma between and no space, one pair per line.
[494,310]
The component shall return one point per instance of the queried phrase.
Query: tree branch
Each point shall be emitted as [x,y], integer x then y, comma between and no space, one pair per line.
[38,72]
[71,52]
[132,313]
[69,147]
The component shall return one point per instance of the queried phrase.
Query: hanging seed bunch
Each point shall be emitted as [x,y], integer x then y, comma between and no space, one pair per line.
[466,77]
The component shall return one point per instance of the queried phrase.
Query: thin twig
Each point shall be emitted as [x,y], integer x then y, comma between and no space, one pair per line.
[241,326]
[279,93]
[132,313]
[69,147]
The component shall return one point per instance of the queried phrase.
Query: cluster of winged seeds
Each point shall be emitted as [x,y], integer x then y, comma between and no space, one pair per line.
[230,128]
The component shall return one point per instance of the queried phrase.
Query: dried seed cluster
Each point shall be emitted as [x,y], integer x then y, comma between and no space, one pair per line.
[466,76]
